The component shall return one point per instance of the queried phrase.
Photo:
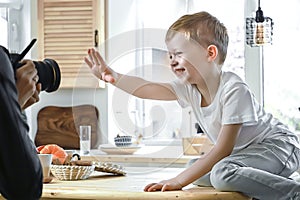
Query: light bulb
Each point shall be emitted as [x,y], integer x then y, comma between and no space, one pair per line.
[259,34]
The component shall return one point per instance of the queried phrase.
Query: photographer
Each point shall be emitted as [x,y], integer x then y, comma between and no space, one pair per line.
[20,169]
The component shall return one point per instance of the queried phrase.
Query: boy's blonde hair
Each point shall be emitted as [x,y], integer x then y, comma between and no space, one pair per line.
[204,29]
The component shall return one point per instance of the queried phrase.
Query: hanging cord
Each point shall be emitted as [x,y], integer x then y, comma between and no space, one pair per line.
[259,18]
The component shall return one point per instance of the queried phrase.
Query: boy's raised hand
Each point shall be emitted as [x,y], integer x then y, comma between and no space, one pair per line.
[99,67]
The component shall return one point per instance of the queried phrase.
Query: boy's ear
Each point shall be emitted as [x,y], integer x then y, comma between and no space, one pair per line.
[212,52]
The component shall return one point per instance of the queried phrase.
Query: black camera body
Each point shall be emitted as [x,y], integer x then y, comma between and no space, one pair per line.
[47,70]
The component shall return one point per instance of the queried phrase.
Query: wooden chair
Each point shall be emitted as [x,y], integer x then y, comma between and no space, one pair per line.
[60,125]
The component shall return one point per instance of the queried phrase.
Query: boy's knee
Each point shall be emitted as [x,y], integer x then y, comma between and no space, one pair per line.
[222,175]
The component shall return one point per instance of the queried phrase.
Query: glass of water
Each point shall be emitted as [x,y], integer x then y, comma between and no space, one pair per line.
[85,139]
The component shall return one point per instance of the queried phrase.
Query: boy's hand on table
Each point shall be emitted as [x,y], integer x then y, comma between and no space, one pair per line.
[165,185]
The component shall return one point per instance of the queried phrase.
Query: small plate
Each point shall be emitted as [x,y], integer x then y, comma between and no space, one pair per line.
[112,149]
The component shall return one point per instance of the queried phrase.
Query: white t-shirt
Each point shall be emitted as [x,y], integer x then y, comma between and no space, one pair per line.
[234,103]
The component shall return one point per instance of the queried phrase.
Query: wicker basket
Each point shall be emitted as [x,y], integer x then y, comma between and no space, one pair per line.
[69,173]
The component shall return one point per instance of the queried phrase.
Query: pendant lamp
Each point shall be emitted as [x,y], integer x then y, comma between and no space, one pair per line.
[259,30]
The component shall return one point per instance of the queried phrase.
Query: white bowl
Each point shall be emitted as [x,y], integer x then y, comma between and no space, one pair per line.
[123,141]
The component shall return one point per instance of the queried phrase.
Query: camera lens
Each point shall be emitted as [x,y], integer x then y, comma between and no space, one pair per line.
[47,70]
[49,74]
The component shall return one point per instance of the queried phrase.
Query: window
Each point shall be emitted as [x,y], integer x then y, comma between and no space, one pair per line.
[3,27]
[157,120]
[10,21]
[281,65]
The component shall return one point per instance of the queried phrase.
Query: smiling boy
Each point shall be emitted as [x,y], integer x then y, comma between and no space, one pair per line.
[253,153]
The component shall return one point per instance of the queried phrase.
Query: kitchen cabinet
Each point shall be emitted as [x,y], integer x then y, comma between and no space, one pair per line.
[66,29]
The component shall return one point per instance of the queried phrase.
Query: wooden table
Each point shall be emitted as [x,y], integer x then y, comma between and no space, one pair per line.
[108,186]
[147,156]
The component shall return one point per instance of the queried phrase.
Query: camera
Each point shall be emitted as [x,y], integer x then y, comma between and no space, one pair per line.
[47,70]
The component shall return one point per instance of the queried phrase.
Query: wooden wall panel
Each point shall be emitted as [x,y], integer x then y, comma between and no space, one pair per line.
[66,31]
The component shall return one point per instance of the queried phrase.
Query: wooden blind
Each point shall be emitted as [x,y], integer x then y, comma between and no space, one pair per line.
[66,31]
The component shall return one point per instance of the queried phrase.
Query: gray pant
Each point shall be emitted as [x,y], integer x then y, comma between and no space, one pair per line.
[260,171]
